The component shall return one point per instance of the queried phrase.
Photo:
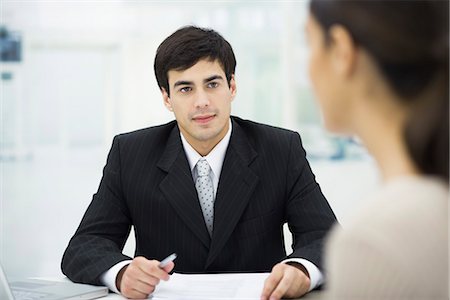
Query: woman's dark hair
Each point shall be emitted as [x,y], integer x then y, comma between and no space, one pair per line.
[186,46]
[409,42]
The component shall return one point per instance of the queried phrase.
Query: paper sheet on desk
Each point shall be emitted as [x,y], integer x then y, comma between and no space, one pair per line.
[211,286]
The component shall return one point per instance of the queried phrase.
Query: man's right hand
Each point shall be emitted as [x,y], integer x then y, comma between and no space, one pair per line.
[139,279]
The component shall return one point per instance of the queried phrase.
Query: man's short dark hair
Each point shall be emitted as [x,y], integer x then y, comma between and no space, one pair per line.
[186,46]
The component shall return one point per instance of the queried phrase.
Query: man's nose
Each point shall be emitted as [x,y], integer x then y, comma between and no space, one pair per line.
[201,98]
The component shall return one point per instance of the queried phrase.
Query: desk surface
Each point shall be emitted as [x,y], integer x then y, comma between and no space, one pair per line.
[314,295]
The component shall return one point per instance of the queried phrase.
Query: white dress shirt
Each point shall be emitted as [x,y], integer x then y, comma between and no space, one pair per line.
[215,160]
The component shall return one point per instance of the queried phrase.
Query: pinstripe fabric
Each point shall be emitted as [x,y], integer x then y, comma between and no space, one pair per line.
[265,182]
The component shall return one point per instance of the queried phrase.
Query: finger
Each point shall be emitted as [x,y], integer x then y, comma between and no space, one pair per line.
[128,290]
[282,287]
[135,273]
[271,283]
[152,268]
[150,280]
[169,267]
[135,279]
[143,287]
[135,295]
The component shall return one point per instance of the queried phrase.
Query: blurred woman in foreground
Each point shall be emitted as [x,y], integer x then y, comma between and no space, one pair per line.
[380,71]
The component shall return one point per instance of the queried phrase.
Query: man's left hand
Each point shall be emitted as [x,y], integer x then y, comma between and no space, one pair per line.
[286,281]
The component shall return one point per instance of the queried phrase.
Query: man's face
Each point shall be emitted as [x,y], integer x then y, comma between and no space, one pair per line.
[201,99]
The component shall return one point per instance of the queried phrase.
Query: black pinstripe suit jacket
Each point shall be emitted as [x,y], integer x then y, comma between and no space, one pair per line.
[265,182]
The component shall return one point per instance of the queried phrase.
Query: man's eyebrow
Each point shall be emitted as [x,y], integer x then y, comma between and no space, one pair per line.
[182,82]
[185,82]
[211,78]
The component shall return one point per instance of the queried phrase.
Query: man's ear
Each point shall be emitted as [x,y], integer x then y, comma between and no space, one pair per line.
[233,87]
[166,99]
[343,49]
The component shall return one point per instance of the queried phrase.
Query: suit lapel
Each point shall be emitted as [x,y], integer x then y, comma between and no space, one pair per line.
[236,185]
[178,187]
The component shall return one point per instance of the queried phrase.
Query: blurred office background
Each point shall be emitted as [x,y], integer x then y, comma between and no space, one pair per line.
[76,73]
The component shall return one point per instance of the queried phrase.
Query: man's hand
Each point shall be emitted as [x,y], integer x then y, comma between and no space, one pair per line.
[288,281]
[139,279]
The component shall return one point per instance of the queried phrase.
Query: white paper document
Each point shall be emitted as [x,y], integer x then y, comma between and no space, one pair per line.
[211,286]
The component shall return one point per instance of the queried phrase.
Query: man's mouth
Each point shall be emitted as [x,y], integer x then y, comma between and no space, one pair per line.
[204,118]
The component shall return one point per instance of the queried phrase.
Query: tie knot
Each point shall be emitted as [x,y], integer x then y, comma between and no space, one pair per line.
[202,167]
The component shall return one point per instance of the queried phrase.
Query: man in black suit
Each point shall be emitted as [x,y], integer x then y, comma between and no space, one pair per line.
[214,189]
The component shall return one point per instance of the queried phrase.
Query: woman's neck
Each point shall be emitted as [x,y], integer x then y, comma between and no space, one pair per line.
[381,130]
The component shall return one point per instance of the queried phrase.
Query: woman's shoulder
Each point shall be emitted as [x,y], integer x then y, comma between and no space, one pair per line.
[403,212]
[410,201]
[404,225]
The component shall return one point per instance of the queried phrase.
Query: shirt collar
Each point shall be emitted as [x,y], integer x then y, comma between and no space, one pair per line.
[214,158]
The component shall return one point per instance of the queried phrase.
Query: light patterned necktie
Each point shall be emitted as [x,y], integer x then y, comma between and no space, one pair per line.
[205,192]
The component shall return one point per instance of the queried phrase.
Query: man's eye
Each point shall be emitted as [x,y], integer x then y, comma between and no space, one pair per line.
[213,84]
[185,89]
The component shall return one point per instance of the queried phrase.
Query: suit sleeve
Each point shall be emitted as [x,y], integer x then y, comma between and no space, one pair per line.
[98,242]
[309,215]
